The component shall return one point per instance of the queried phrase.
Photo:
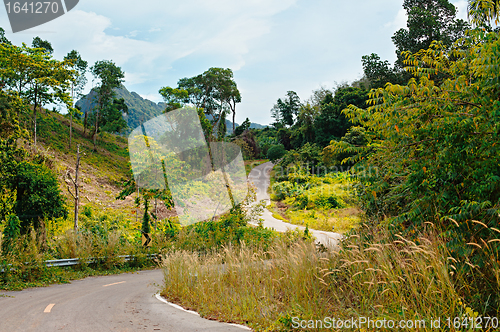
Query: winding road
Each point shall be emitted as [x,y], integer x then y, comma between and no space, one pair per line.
[124,302]
[260,177]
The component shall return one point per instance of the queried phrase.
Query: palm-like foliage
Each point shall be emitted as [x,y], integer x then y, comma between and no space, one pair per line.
[482,12]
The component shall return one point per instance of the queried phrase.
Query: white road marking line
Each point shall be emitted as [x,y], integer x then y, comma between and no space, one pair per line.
[159,297]
[116,283]
[49,308]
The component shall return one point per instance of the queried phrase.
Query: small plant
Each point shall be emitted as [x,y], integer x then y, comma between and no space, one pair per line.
[11,233]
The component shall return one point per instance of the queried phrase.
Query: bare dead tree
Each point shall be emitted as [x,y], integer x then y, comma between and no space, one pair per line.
[74,182]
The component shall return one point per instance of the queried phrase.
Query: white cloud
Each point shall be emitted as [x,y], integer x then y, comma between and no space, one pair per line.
[153,97]
[398,22]
[462,9]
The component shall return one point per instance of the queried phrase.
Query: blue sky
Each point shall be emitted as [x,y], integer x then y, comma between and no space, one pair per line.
[272,46]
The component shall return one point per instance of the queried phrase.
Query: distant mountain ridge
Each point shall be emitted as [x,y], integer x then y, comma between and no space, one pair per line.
[140,110]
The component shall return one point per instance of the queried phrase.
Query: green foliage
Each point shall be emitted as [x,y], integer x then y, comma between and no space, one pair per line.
[38,195]
[45,45]
[11,232]
[112,120]
[248,144]
[332,123]
[174,98]
[11,106]
[379,72]
[306,160]
[214,91]
[79,81]
[435,149]
[285,111]
[110,76]
[307,192]
[428,21]
[482,12]
[347,150]
[146,229]
[241,128]
[275,152]
[230,229]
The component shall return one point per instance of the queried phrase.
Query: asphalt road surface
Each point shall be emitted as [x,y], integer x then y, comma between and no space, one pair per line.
[260,177]
[124,302]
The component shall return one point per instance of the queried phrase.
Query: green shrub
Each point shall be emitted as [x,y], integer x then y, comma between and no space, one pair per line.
[276,152]
[38,195]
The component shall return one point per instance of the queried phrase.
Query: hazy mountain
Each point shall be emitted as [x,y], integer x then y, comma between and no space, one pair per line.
[140,110]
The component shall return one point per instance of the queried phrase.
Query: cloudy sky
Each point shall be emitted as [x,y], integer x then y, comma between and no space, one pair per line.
[272,46]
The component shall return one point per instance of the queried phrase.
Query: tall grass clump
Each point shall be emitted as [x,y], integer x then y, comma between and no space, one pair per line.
[367,276]
[22,262]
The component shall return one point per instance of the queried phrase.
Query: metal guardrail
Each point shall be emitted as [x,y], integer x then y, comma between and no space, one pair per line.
[75,261]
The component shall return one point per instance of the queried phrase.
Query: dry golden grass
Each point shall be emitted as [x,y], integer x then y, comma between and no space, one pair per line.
[398,280]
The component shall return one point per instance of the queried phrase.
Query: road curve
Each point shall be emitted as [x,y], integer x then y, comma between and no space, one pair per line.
[124,302]
[260,177]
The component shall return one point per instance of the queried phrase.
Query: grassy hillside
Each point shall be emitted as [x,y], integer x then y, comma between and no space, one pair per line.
[101,173]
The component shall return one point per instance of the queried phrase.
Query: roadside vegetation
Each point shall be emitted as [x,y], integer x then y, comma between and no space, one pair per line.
[416,145]
[326,203]
[274,289]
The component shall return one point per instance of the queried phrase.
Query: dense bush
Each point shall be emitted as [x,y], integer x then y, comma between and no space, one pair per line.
[38,195]
[435,150]
[275,152]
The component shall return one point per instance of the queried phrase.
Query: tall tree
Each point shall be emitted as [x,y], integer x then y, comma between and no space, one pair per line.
[331,123]
[110,76]
[45,45]
[428,20]
[215,91]
[285,110]
[35,75]
[305,126]
[78,82]
[74,182]
[112,120]
[379,72]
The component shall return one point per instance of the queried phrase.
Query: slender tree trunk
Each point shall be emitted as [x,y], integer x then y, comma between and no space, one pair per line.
[96,124]
[71,119]
[137,207]
[234,114]
[34,116]
[34,112]
[77,187]
[156,212]
[85,123]
[95,129]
